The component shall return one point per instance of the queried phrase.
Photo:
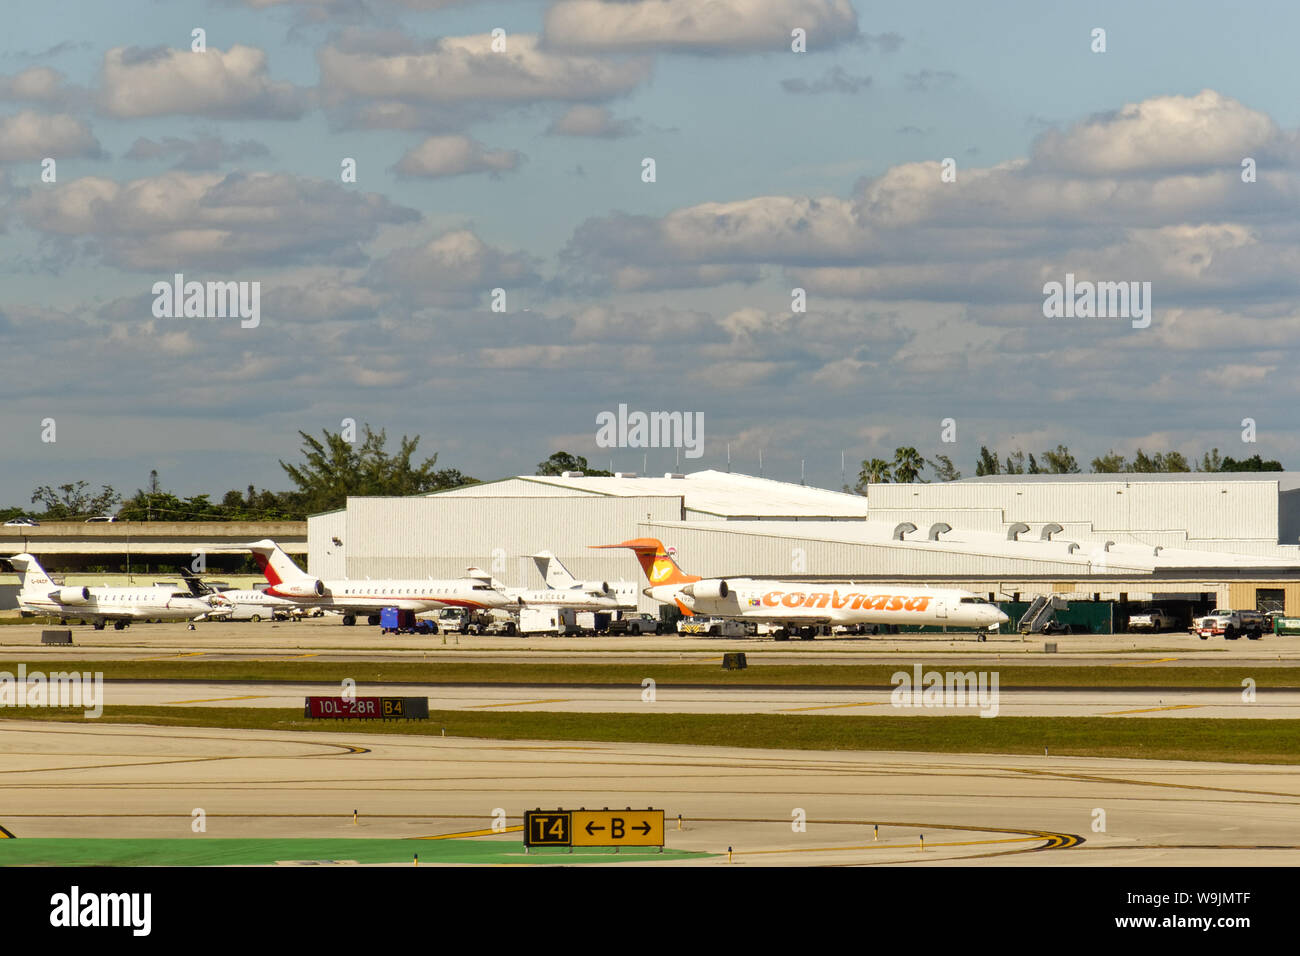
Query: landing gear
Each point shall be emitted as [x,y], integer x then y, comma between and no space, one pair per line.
[807,633]
[349,620]
[373,620]
[119,625]
[99,625]
[781,634]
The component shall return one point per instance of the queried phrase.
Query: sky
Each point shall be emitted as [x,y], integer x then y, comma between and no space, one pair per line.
[921,172]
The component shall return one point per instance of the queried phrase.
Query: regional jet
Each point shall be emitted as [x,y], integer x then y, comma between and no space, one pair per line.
[120,604]
[804,606]
[369,597]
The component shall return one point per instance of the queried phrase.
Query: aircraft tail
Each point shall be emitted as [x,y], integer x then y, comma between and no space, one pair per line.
[656,562]
[555,574]
[30,573]
[275,564]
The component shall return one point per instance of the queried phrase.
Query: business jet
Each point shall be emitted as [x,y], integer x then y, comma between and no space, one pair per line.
[369,597]
[564,590]
[120,604]
[804,606]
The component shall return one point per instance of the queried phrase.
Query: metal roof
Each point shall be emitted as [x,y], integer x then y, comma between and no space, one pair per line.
[724,494]
[1287,480]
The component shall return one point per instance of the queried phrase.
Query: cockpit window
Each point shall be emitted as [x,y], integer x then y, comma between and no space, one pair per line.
[973,600]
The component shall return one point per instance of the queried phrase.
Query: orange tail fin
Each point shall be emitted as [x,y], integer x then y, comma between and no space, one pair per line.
[656,562]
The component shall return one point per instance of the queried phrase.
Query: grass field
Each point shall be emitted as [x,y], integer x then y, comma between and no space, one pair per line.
[1010,676]
[1185,738]
[205,851]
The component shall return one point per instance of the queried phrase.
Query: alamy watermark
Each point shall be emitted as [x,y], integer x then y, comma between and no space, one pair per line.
[939,689]
[637,429]
[1101,300]
[57,689]
[179,299]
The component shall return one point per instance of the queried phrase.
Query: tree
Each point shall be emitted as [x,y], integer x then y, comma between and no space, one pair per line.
[1253,463]
[1033,468]
[336,468]
[1211,461]
[1015,463]
[874,472]
[1174,461]
[1109,464]
[73,501]
[562,461]
[943,468]
[1060,462]
[988,463]
[907,464]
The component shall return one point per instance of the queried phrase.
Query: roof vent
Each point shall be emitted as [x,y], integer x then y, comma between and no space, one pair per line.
[625,474]
[573,474]
[1016,530]
[936,529]
[1048,531]
[902,528]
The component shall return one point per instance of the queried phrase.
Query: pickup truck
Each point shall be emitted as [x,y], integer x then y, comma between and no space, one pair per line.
[1230,625]
[636,624]
[1151,619]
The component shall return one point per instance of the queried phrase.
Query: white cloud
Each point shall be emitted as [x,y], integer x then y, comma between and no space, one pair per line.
[692,26]
[454,156]
[596,121]
[163,81]
[30,136]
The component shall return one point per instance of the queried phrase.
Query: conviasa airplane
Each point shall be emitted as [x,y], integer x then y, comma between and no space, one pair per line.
[119,604]
[802,605]
[369,597]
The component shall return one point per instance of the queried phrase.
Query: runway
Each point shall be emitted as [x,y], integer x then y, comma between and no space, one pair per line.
[325,639]
[629,699]
[98,780]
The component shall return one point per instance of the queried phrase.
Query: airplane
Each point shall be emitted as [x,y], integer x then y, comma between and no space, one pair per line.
[254,602]
[564,590]
[369,597]
[120,604]
[806,605]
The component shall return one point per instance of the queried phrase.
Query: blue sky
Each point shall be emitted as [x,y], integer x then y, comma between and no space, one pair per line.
[923,304]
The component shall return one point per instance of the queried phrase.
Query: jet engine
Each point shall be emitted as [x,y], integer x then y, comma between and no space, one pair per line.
[73,596]
[596,587]
[309,588]
[711,591]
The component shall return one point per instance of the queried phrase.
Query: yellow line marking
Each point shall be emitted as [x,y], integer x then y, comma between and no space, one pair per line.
[1150,710]
[1160,660]
[212,700]
[6,835]
[891,846]
[865,703]
[472,833]
[521,703]
[171,657]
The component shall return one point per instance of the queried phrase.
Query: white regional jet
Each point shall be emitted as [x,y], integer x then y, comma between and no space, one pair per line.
[369,597]
[802,605]
[120,604]
[564,590]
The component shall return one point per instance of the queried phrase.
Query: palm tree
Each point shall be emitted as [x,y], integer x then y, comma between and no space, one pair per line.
[874,472]
[907,464]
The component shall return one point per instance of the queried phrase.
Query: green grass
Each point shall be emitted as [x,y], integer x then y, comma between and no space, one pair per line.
[1183,738]
[205,851]
[759,675]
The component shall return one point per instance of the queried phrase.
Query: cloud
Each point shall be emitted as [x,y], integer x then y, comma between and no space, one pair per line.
[205,151]
[29,135]
[40,84]
[455,269]
[836,80]
[595,121]
[719,26]
[385,80]
[181,220]
[441,156]
[161,81]
[1090,200]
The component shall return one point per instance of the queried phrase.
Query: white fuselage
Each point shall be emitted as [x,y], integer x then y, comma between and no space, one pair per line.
[116,604]
[373,596]
[802,602]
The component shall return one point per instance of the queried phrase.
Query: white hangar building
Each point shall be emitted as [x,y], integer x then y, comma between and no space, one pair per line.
[1202,538]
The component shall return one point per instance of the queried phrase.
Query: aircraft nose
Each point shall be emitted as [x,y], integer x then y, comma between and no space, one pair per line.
[1002,617]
